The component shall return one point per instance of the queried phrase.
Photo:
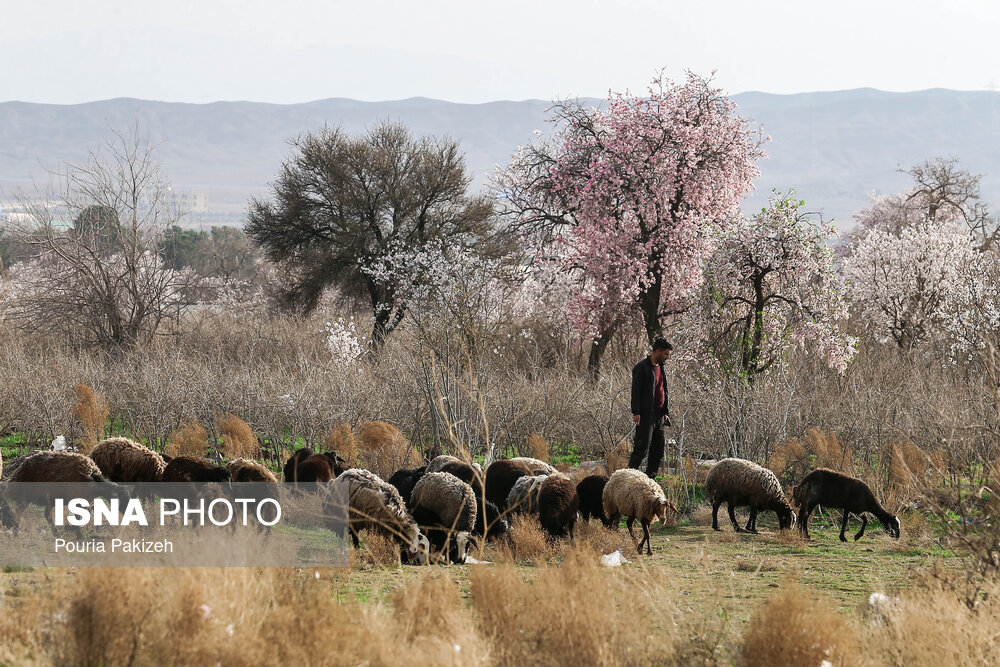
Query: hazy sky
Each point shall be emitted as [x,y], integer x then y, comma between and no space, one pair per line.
[70,51]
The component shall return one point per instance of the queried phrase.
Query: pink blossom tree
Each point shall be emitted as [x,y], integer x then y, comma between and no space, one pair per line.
[624,196]
[771,285]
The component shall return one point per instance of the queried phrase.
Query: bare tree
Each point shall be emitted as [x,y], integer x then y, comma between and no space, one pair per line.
[95,273]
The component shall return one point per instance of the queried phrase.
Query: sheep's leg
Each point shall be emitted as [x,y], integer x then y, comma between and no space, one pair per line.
[804,511]
[354,538]
[732,517]
[864,523]
[628,524]
[843,525]
[715,516]
[752,521]
[645,531]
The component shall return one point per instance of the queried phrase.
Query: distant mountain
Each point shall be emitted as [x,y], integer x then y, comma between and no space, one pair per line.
[834,148]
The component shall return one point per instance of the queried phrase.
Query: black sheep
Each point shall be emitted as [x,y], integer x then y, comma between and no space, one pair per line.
[500,479]
[404,480]
[591,494]
[837,490]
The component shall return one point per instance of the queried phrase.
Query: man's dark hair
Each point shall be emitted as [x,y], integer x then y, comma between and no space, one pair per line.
[662,344]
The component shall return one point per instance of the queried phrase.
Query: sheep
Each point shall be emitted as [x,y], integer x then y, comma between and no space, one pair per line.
[308,467]
[837,490]
[292,464]
[15,463]
[557,505]
[376,505]
[438,462]
[739,482]
[194,469]
[127,461]
[244,470]
[404,480]
[57,467]
[500,479]
[590,491]
[523,496]
[536,466]
[631,493]
[446,507]
[490,523]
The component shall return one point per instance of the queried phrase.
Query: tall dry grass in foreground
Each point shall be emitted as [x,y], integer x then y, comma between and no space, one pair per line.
[574,612]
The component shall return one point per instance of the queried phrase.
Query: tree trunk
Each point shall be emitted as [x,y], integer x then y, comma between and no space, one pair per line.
[597,349]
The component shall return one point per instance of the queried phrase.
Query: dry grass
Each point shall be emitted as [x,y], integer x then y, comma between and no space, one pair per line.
[190,439]
[795,628]
[538,447]
[594,536]
[91,413]
[702,515]
[384,449]
[794,458]
[617,457]
[527,543]
[342,441]
[238,439]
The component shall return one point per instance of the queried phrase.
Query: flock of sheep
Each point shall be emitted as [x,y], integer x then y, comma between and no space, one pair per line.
[435,512]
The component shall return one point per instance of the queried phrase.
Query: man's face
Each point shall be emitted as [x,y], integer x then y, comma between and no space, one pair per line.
[659,356]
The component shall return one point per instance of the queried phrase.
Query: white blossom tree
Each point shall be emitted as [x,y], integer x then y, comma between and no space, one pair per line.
[771,285]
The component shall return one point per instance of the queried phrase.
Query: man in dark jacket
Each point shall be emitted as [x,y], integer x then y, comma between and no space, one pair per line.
[649,407]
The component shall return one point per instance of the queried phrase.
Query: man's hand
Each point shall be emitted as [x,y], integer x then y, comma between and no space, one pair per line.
[635,418]
[666,420]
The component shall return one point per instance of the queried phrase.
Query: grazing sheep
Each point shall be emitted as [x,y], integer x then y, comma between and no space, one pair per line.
[195,469]
[536,466]
[557,505]
[837,490]
[523,496]
[590,491]
[292,464]
[500,478]
[127,461]
[489,521]
[57,467]
[439,462]
[404,480]
[632,494]
[13,464]
[445,507]
[739,482]
[244,470]
[309,467]
[375,504]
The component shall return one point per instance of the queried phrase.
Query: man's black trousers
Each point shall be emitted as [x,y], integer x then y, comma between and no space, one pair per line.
[648,439]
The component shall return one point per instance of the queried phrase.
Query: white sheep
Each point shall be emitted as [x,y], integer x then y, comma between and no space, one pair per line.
[632,494]
[445,507]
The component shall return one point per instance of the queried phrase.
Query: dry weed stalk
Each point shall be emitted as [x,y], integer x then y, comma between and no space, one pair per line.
[91,413]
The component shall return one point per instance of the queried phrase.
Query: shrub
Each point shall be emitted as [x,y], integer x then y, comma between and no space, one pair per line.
[795,628]
[91,413]
[238,439]
[342,441]
[189,439]
[384,449]
[537,447]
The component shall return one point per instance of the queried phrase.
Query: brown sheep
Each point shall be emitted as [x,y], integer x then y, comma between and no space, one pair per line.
[127,461]
[244,470]
[195,469]
[57,467]
[557,505]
